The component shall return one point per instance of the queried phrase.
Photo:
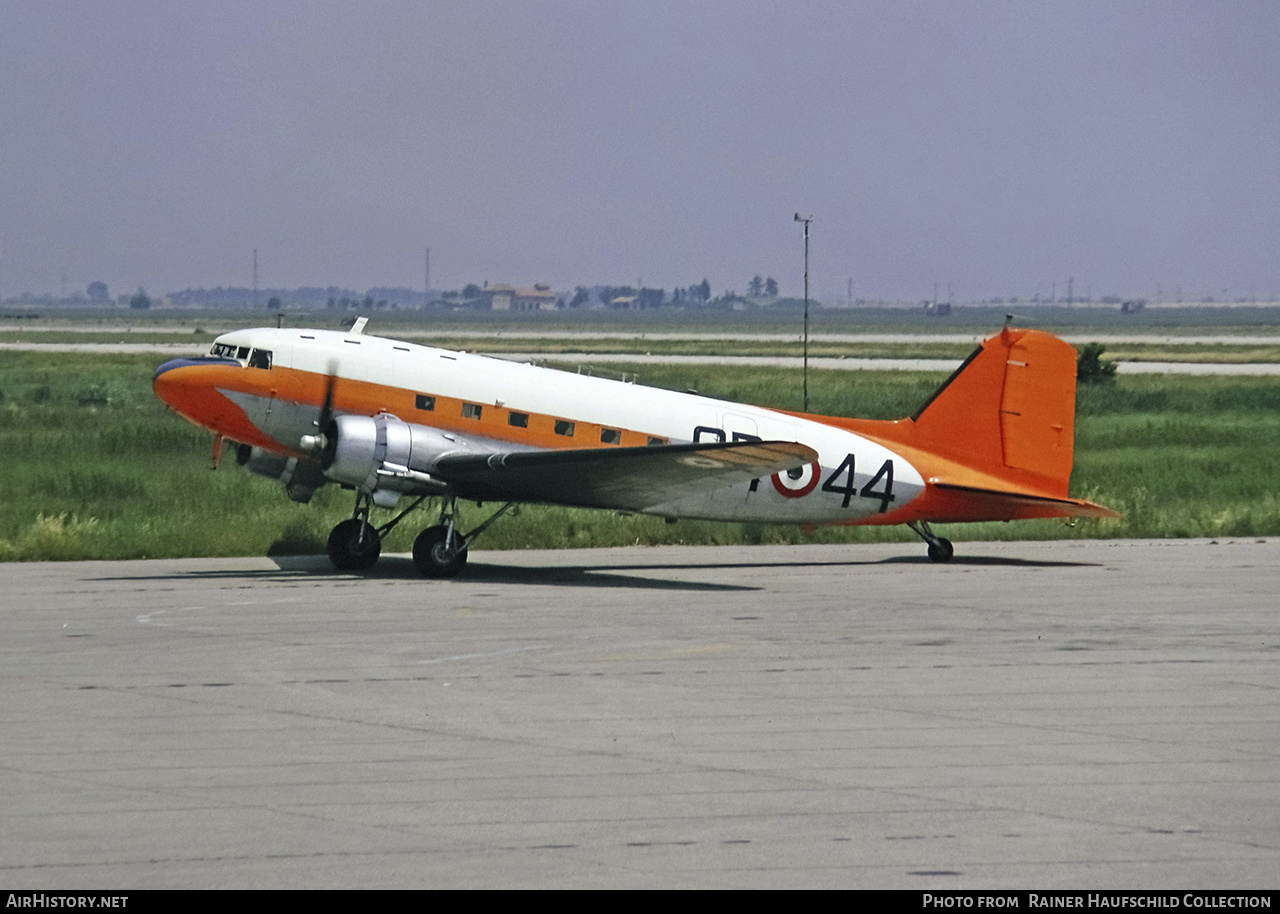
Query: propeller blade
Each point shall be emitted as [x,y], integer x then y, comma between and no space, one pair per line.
[315,444]
[326,410]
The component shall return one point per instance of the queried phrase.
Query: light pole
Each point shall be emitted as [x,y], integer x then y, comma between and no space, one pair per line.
[806,220]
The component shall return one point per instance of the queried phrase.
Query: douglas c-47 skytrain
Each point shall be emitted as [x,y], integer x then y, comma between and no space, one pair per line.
[394,421]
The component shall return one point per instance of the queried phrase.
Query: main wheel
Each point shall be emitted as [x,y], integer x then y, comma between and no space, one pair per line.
[354,545]
[941,551]
[436,560]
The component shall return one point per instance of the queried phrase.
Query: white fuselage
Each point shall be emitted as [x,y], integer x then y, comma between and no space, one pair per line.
[854,477]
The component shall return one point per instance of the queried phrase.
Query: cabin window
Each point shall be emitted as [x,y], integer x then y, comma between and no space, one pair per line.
[242,353]
[564,427]
[422,401]
[471,410]
[519,420]
[610,436]
[260,358]
[656,442]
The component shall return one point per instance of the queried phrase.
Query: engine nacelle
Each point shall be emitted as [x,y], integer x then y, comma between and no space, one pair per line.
[300,479]
[256,460]
[386,457]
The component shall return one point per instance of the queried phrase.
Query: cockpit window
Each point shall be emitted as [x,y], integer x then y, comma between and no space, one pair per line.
[257,358]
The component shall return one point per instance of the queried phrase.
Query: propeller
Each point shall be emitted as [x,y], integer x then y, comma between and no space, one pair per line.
[321,441]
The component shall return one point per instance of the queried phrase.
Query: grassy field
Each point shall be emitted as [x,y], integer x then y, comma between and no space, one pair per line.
[95,468]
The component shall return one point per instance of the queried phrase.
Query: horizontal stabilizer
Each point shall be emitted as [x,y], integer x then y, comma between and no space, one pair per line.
[975,504]
[628,479]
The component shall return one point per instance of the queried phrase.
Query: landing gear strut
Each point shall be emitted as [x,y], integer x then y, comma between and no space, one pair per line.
[438,552]
[441,551]
[940,549]
[355,544]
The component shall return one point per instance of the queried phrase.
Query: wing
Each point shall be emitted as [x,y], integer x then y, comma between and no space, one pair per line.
[628,479]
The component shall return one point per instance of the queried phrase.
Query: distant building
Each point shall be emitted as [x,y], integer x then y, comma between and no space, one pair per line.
[502,297]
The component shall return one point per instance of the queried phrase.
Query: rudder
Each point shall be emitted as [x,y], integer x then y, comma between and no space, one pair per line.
[1010,406]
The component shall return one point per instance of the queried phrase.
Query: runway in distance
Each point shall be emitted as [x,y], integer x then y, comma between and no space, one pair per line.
[394,421]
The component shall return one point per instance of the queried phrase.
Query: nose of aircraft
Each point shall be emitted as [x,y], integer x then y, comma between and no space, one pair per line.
[212,393]
[169,382]
[190,388]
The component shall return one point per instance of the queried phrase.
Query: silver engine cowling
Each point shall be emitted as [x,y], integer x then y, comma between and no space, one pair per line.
[386,457]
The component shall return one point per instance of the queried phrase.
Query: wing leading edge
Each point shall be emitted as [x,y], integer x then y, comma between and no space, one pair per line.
[628,479]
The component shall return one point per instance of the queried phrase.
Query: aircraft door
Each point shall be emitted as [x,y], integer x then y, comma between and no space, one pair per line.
[738,427]
[284,420]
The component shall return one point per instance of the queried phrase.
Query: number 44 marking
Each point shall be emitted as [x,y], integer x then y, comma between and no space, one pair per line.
[841,482]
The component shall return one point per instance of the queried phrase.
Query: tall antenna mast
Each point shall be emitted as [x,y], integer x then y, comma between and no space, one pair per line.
[426,288]
[255,277]
[806,220]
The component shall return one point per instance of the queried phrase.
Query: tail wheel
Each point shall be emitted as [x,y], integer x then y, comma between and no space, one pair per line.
[436,555]
[354,545]
[941,550]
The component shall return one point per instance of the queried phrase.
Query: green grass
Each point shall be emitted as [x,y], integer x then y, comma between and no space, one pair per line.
[94,467]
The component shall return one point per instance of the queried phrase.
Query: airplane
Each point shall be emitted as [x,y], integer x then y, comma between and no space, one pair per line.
[393,421]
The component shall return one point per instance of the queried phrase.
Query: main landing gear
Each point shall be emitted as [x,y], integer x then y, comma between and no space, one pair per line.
[440,551]
[354,545]
[940,549]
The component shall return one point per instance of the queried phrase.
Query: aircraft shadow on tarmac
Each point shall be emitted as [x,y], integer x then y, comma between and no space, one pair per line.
[299,569]
[392,568]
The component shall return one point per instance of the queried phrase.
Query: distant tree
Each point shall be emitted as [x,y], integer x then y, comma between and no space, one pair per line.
[704,290]
[580,297]
[273,303]
[651,298]
[771,287]
[97,292]
[1092,368]
[756,286]
[140,301]
[471,290]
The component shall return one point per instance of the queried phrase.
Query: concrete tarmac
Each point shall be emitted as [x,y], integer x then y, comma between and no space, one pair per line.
[1072,714]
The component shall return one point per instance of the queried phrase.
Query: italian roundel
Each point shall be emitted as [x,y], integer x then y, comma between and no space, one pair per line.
[797,483]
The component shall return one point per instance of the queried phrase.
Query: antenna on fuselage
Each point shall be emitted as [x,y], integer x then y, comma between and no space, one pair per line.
[356,324]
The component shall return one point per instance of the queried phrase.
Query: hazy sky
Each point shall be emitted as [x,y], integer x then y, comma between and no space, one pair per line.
[993,147]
